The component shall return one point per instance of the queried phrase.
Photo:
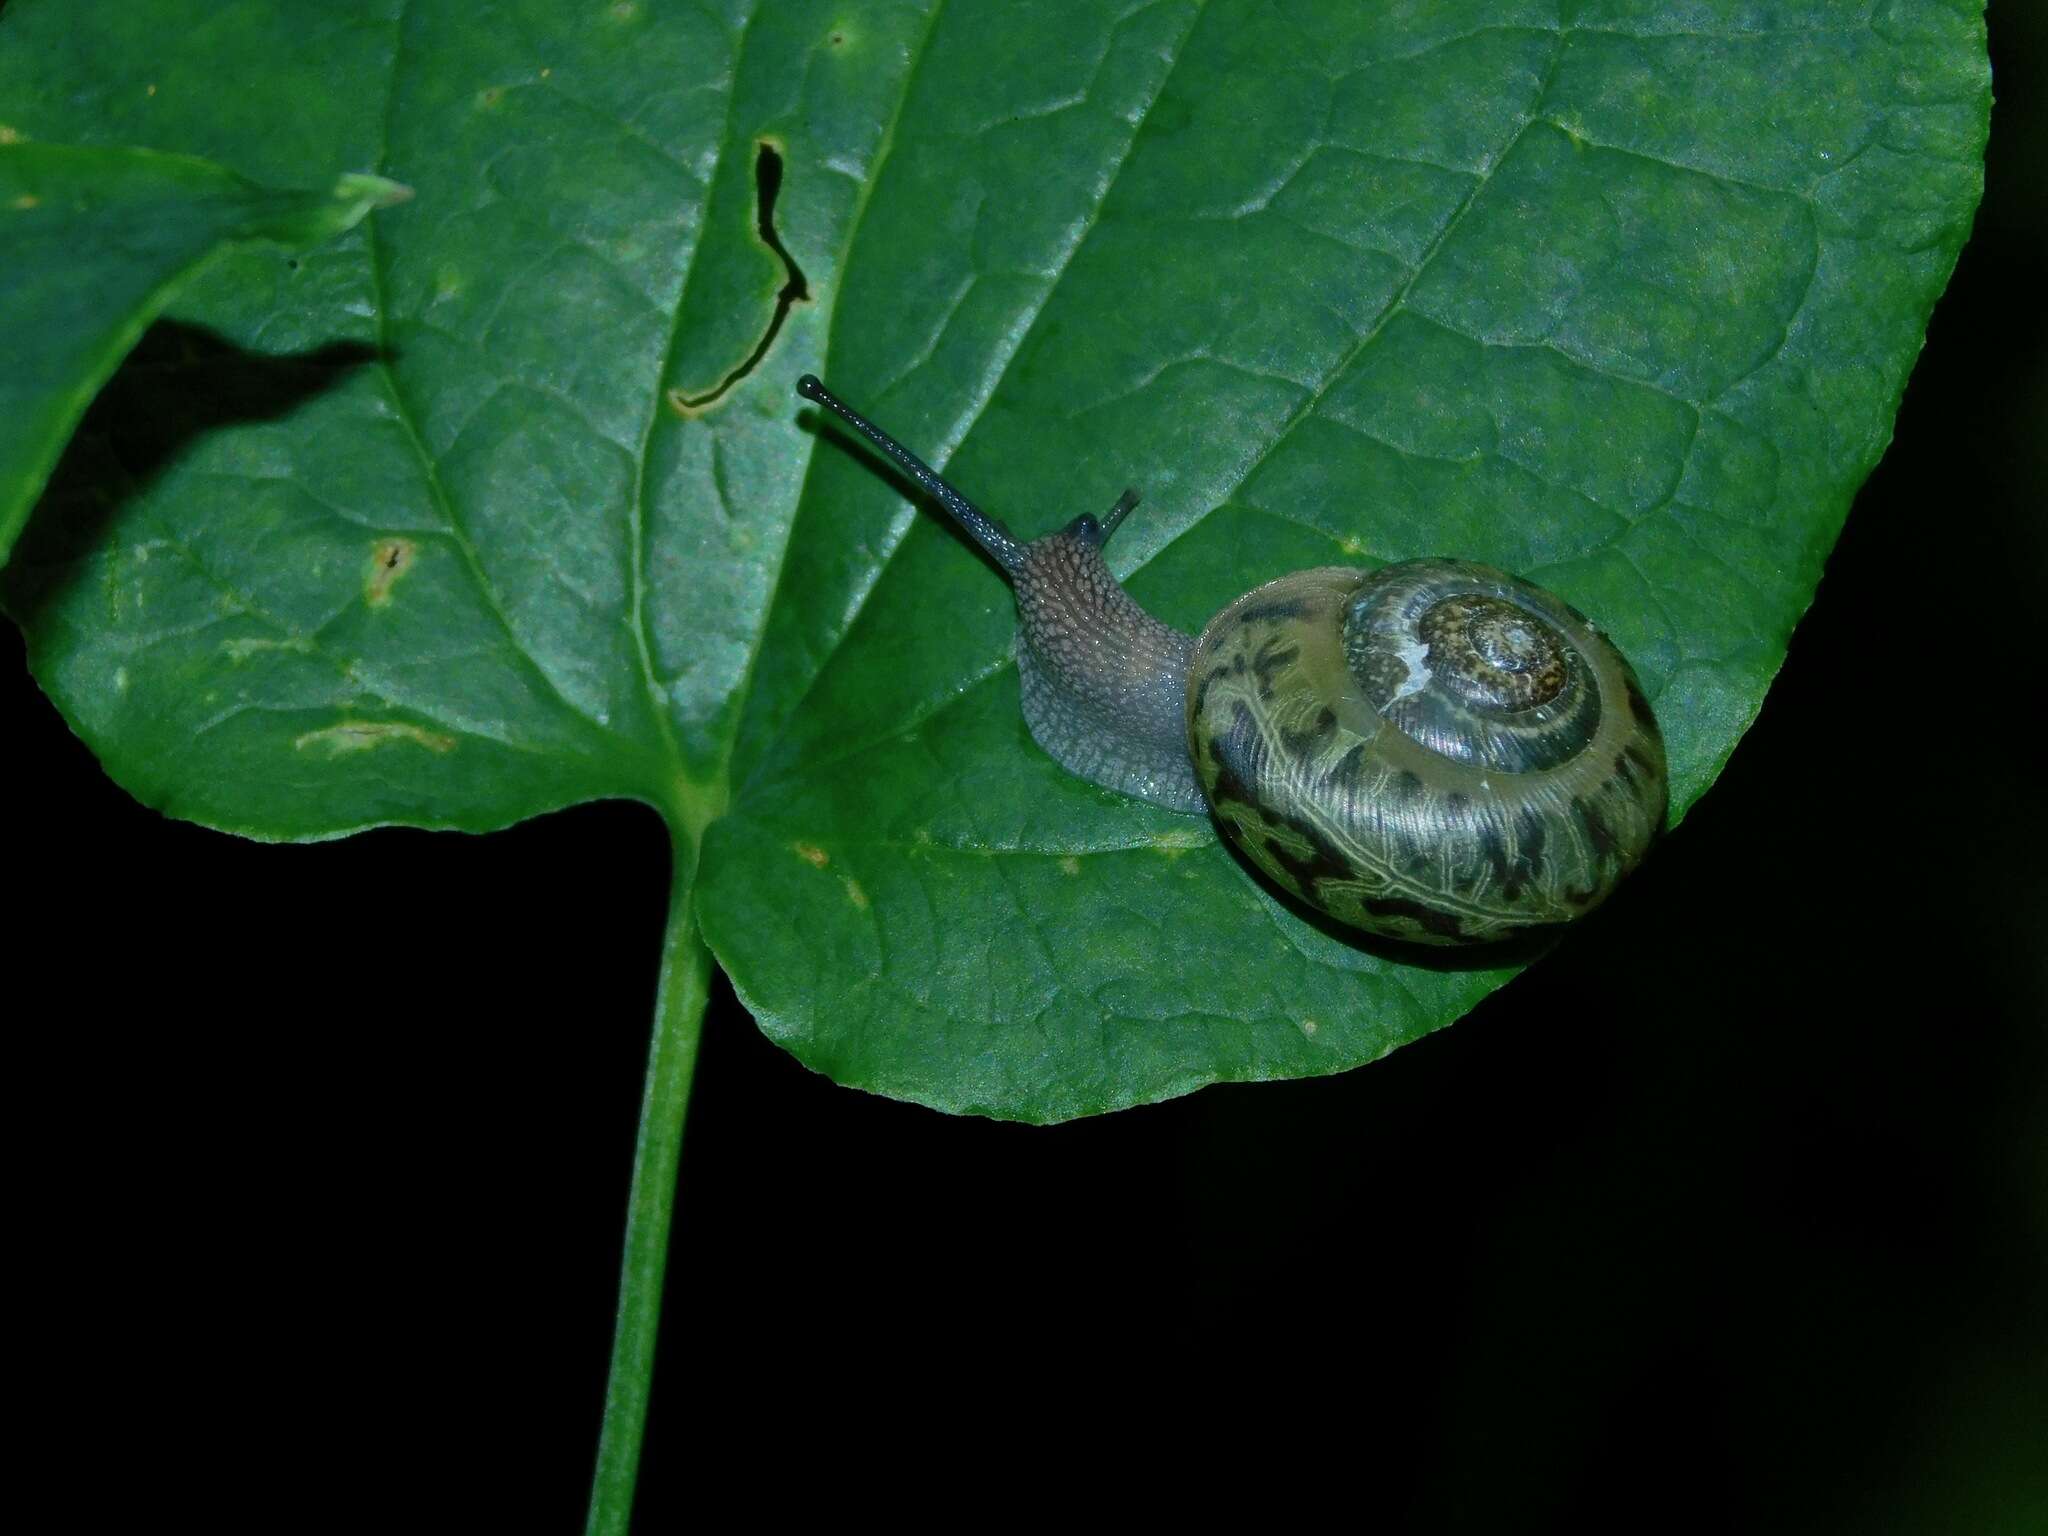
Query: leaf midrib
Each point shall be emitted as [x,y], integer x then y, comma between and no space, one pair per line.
[695,806]
[736,708]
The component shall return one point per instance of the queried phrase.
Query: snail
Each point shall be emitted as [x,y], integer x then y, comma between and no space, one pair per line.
[1433,751]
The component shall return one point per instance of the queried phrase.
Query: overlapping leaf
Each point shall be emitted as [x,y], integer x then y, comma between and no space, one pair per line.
[95,241]
[1617,293]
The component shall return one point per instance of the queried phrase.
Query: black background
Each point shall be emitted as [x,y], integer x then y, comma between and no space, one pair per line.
[1731,1214]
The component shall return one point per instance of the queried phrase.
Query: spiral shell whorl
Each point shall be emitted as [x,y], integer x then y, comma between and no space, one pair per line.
[1472,663]
[1433,751]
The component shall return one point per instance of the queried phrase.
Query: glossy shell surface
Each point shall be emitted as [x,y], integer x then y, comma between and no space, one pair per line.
[1434,751]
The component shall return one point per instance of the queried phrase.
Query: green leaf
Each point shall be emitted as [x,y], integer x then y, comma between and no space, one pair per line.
[1620,294]
[93,244]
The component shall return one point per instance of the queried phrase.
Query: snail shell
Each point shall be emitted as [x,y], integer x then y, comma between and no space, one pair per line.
[1433,751]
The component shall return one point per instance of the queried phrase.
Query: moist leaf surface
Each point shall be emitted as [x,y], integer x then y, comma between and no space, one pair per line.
[1618,294]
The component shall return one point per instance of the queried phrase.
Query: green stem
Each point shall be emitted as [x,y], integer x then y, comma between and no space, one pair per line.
[678,1021]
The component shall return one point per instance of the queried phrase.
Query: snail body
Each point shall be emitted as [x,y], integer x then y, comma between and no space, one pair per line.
[1433,751]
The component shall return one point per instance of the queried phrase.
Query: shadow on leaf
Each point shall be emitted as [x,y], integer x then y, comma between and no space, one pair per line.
[179,384]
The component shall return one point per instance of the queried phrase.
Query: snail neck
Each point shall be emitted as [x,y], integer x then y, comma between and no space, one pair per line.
[1104,684]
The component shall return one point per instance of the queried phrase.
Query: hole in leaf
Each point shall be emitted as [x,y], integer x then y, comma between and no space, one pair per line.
[794,291]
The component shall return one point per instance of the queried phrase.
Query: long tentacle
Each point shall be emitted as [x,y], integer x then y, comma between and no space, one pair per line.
[986,531]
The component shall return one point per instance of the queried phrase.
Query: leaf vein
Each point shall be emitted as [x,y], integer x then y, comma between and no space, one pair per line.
[638,509]
[408,421]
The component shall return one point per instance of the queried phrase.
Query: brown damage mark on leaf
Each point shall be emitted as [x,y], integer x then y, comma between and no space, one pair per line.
[362,735]
[389,560]
[854,893]
[811,854]
[794,291]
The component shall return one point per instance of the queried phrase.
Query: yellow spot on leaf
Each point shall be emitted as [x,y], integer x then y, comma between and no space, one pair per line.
[9,135]
[1353,545]
[149,90]
[242,650]
[854,893]
[811,854]
[1309,1028]
[1174,844]
[1070,865]
[389,560]
[362,735]
[26,201]
[120,679]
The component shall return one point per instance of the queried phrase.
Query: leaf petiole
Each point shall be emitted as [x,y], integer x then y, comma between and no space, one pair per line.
[657,1152]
